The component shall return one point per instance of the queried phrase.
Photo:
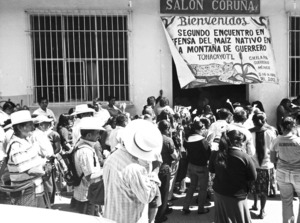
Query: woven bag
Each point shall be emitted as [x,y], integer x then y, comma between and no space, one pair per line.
[23,195]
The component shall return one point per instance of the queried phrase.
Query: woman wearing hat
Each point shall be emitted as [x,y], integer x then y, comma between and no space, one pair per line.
[24,163]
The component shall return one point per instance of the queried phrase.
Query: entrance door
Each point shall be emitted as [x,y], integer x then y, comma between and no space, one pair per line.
[216,95]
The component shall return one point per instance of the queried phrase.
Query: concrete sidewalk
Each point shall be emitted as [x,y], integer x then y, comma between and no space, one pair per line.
[273,210]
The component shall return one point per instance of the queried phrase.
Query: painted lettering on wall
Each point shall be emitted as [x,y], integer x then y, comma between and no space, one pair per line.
[211,6]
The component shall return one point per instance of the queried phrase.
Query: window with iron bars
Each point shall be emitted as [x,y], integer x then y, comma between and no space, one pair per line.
[294,56]
[78,57]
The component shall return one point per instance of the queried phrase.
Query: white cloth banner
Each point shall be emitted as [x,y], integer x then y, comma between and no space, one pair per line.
[211,51]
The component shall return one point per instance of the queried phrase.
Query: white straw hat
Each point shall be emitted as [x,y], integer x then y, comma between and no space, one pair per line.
[142,139]
[20,117]
[83,108]
[90,123]
[41,119]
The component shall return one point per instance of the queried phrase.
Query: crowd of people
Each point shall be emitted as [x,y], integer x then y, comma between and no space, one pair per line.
[141,161]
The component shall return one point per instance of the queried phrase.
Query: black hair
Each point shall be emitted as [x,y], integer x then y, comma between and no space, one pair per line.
[41,99]
[163,125]
[8,105]
[121,119]
[259,105]
[288,123]
[63,120]
[240,116]
[228,140]
[223,113]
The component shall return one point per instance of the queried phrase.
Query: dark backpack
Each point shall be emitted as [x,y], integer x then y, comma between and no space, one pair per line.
[71,176]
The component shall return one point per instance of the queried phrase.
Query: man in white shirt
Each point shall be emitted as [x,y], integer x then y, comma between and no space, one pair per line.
[116,134]
[43,110]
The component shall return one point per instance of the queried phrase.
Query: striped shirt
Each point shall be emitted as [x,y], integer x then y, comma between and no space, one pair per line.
[23,156]
[127,187]
[86,162]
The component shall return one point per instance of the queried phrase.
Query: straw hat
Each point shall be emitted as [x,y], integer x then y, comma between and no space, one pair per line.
[83,108]
[20,117]
[142,139]
[42,118]
[90,123]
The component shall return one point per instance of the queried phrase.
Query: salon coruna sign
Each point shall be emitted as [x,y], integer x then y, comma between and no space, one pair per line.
[210,6]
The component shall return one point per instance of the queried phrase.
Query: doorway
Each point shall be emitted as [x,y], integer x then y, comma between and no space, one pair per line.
[216,95]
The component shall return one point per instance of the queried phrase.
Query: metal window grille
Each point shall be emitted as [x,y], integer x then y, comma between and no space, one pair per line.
[294,55]
[79,56]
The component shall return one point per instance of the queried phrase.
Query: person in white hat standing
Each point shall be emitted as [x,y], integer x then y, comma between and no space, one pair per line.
[81,111]
[128,186]
[87,164]
[24,163]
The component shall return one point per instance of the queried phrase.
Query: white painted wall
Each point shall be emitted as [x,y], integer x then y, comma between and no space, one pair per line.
[270,94]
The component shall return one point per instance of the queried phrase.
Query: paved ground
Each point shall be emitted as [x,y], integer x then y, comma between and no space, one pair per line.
[273,210]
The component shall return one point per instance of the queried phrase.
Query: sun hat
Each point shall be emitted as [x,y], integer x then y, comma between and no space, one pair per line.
[41,118]
[142,139]
[20,117]
[90,123]
[83,108]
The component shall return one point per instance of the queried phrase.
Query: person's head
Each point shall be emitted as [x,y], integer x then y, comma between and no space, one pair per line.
[288,124]
[234,138]
[42,122]
[164,127]
[163,102]
[259,105]
[223,113]
[205,122]
[9,107]
[149,111]
[111,100]
[207,109]
[121,120]
[90,129]
[286,103]
[22,123]
[151,101]
[63,120]
[43,102]
[259,119]
[197,126]
[112,122]
[240,116]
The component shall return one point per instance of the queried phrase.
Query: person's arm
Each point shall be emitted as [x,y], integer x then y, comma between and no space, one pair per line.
[251,171]
[211,164]
[250,149]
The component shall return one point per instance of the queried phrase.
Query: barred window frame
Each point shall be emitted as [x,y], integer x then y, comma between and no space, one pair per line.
[92,59]
[293,55]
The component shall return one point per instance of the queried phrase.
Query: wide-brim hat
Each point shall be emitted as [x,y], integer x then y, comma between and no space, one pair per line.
[142,139]
[90,123]
[83,108]
[41,118]
[20,117]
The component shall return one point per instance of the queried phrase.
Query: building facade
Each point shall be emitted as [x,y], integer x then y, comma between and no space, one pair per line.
[73,51]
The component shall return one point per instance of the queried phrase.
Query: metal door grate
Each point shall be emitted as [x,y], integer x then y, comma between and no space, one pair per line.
[79,55]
